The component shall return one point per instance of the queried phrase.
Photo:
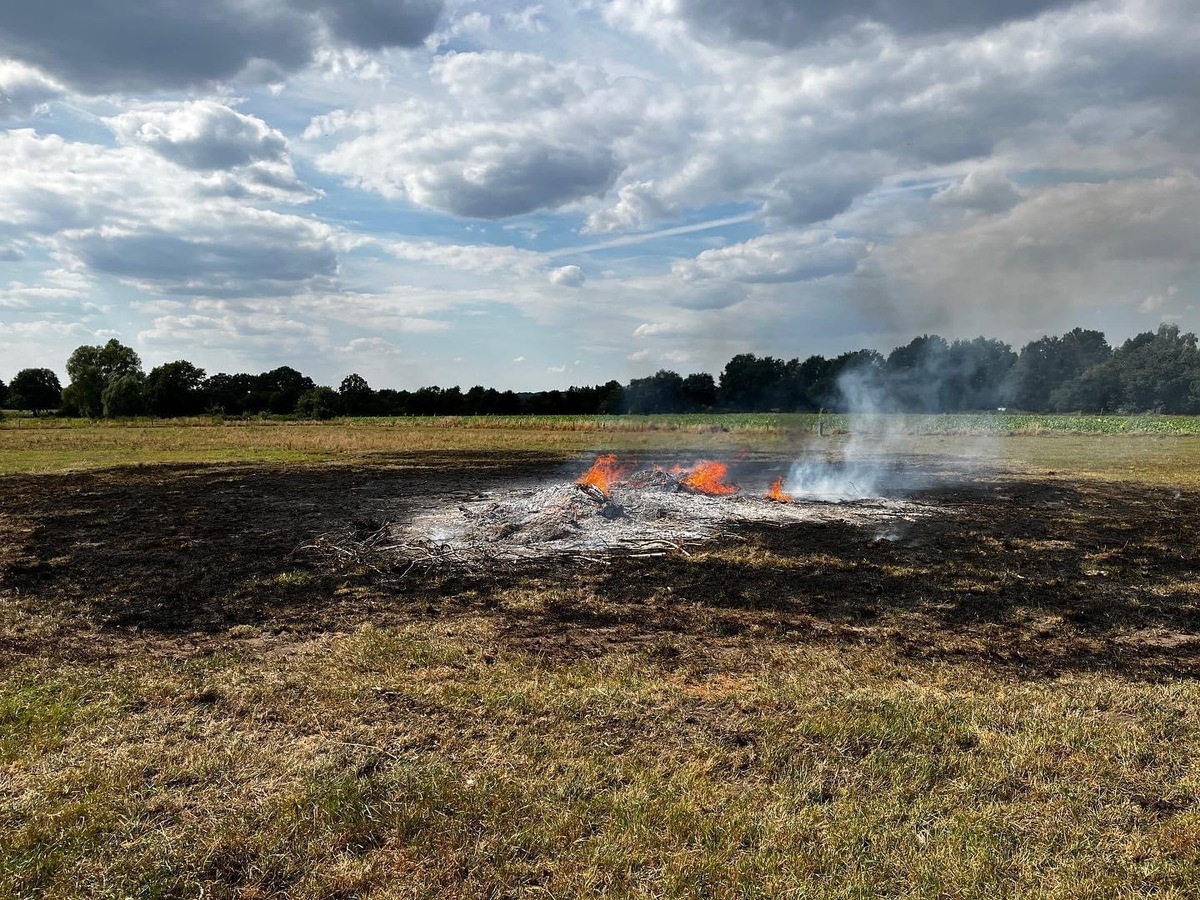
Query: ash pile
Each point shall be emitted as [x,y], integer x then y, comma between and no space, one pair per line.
[610,509]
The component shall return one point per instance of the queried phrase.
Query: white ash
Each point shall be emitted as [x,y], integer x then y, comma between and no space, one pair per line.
[641,516]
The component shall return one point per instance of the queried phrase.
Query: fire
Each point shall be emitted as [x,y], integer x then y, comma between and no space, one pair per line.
[708,477]
[603,473]
[777,493]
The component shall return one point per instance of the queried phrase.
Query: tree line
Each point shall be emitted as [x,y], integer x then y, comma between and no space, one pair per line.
[1156,371]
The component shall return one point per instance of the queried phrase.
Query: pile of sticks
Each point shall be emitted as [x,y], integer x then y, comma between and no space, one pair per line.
[392,558]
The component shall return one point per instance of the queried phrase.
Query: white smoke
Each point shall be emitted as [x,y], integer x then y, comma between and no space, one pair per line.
[879,455]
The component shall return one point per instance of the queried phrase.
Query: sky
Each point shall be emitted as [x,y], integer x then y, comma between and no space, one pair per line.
[534,195]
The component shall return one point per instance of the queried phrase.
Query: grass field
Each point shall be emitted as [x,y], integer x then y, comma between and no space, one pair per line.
[1153,448]
[1002,701]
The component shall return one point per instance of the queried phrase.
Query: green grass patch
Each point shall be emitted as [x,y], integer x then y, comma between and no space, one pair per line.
[35,716]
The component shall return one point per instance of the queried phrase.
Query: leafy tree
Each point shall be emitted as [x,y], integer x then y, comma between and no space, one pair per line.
[975,374]
[452,401]
[750,384]
[509,404]
[123,396]
[230,393]
[37,390]
[1153,371]
[92,369]
[356,395]
[478,401]
[1098,390]
[791,393]
[426,401]
[662,392]
[3,394]
[318,403]
[610,398]
[1159,370]
[1046,364]
[699,391]
[542,403]
[916,374]
[392,403]
[278,390]
[855,382]
[810,383]
[174,389]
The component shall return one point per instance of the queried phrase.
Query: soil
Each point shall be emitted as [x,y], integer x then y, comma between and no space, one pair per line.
[1038,573]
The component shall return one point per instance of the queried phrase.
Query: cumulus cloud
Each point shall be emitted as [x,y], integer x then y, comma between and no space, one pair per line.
[483,171]
[128,213]
[241,156]
[637,205]
[773,159]
[985,190]
[568,276]
[223,326]
[490,81]
[375,24]
[812,130]
[778,257]
[524,134]
[231,254]
[150,45]
[201,134]
[793,23]
[23,89]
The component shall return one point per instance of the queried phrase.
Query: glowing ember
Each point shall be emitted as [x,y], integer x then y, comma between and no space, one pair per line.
[777,493]
[603,473]
[708,477]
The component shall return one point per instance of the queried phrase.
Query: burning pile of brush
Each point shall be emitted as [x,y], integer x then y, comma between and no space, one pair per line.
[613,507]
[707,477]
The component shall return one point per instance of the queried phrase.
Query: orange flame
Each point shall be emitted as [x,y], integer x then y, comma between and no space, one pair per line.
[777,492]
[603,473]
[708,477]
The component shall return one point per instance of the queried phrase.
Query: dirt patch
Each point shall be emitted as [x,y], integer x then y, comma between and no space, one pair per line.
[1041,575]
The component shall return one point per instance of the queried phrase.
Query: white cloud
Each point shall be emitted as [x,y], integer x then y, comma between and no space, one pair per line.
[484,259]
[514,133]
[374,345]
[128,213]
[649,329]
[200,134]
[775,177]
[23,89]
[567,276]
[781,257]
[985,190]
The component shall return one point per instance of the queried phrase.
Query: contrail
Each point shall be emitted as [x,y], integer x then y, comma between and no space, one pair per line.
[916,186]
[641,237]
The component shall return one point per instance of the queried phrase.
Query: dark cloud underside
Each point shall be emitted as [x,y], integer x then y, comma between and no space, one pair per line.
[100,46]
[792,23]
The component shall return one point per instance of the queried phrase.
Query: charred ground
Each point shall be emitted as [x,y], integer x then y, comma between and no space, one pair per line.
[1038,574]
